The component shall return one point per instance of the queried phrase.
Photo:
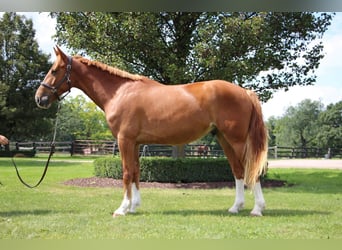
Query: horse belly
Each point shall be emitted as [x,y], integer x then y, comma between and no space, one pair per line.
[175,131]
[179,117]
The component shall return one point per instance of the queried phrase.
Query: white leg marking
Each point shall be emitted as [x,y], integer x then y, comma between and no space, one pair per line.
[136,199]
[125,204]
[259,205]
[239,198]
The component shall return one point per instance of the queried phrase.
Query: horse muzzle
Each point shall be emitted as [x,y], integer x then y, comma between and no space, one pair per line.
[43,101]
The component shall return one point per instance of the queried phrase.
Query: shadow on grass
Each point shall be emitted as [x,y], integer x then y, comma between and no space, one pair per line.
[292,212]
[38,212]
[246,212]
[39,163]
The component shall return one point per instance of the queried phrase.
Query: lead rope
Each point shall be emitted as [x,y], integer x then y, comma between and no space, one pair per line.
[52,150]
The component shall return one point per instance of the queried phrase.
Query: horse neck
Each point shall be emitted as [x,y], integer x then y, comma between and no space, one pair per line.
[98,85]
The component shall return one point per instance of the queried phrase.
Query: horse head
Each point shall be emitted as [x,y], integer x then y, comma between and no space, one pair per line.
[57,81]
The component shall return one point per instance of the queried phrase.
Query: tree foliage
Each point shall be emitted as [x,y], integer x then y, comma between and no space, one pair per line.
[257,50]
[81,119]
[330,132]
[299,125]
[22,67]
[308,125]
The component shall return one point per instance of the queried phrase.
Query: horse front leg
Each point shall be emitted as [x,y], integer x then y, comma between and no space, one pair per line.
[130,168]
[136,199]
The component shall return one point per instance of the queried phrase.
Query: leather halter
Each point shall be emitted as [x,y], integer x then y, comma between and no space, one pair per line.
[66,78]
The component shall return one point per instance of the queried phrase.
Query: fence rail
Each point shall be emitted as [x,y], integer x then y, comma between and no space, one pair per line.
[107,147]
[292,152]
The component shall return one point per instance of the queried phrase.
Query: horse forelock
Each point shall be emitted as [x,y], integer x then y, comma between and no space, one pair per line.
[111,70]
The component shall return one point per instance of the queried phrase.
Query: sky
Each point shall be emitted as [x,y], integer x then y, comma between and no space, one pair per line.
[327,89]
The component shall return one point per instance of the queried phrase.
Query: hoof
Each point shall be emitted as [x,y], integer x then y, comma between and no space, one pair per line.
[236,208]
[257,210]
[115,215]
[256,214]
[132,210]
[233,211]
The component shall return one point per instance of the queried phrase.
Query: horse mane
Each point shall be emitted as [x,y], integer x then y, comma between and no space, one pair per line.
[111,70]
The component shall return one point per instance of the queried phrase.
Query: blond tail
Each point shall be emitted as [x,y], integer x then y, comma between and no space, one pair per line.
[255,157]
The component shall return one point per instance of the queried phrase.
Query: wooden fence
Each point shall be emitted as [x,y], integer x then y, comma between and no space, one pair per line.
[107,147]
[292,152]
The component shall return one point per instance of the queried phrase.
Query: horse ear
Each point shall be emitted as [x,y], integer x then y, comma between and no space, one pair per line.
[59,52]
[55,49]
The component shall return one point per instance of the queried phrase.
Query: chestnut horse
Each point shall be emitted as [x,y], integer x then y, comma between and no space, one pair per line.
[142,111]
[202,150]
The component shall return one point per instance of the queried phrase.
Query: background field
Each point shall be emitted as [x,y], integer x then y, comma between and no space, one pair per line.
[310,209]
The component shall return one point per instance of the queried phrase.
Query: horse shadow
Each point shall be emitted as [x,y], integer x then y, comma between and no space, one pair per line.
[36,212]
[242,213]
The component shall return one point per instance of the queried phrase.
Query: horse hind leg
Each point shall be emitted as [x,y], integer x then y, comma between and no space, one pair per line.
[235,154]
[239,197]
[237,170]
[259,205]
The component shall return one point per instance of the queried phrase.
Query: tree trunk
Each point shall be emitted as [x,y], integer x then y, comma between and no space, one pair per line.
[178,151]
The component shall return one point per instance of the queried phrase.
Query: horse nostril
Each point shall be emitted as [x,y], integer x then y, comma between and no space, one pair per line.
[43,101]
[37,100]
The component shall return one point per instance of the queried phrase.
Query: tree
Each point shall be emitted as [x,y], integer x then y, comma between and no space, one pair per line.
[22,67]
[257,50]
[271,126]
[308,125]
[299,126]
[3,97]
[81,119]
[330,132]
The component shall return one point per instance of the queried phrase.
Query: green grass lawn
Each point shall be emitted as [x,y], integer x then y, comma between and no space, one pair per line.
[310,209]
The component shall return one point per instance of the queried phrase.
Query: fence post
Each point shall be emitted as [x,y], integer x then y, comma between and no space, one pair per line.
[114,148]
[178,151]
[328,154]
[72,148]
[145,151]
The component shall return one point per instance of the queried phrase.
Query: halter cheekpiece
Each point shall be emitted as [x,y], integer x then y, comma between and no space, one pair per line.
[66,78]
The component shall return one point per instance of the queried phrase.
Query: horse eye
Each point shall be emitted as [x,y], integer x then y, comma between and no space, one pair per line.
[53,71]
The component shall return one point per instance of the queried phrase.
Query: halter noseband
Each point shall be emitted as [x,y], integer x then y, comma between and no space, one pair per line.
[66,78]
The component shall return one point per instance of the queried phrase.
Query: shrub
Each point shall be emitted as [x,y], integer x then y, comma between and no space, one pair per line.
[18,153]
[162,169]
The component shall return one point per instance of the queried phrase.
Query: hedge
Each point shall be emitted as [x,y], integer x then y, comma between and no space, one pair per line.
[162,169]
[24,153]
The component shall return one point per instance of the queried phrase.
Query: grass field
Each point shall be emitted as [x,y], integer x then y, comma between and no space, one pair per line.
[310,209]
